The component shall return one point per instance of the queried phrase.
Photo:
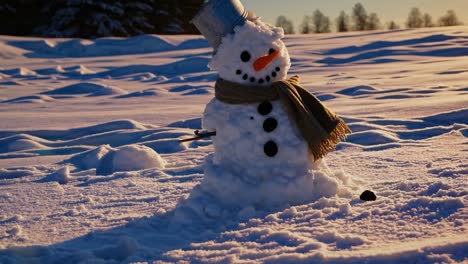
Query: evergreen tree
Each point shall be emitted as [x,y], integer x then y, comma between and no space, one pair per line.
[427,20]
[320,22]
[342,22]
[85,18]
[449,19]
[305,27]
[7,14]
[136,17]
[392,25]
[373,22]
[415,18]
[19,17]
[286,24]
[360,17]
[166,17]
[189,9]
[99,18]
[173,16]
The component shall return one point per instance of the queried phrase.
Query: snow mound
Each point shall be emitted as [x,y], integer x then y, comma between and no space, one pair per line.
[183,66]
[74,133]
[136,157]
[10,82]
[24,144]
[90,89]
[104,46]
[107,160]
[449,118]
[165,145]
[30,99]
[144,93]
[194,123]
[191,90]
[373,137]
[358,90]
[89,159]
[19,72]
[48,71]
[78,71]
[436,45]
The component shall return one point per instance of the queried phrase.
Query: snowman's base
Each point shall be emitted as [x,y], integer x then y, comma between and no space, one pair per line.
[223,191]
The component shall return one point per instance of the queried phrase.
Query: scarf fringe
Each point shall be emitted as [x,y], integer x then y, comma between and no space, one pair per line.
[332,139]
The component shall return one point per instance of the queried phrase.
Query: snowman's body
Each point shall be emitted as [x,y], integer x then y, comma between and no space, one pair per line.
[259,155]
[259,141]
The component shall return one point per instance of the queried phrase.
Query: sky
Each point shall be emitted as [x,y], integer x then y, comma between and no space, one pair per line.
[387,10]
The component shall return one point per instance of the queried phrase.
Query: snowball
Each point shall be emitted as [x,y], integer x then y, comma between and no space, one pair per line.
[136,157]
[90,159]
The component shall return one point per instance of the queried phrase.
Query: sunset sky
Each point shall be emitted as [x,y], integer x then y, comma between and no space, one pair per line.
[387,10]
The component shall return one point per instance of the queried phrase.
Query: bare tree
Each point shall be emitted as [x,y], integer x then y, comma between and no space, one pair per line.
[342,22]
[305,27]
[449,19]
[392,25]
[415,18]
[373,22]
[427,20]
[286,24]
[360,17]
[320,22]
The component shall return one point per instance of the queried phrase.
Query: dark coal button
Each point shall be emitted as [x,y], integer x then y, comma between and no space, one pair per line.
[265,108]
[270,148]
[368,196]
[270,124]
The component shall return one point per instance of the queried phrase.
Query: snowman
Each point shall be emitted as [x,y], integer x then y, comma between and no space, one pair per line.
[270,133]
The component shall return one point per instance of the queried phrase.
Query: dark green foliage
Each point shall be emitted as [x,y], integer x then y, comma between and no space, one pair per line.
[392,25]
[373,22]
[286,24]
[305,27]
[415,18]
[85,19]
[19,17]
[360,17]
[342,22]
[321,22]
[97,18]
[449,19]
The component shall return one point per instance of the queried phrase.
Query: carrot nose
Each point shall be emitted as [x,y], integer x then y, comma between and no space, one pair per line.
[262,62]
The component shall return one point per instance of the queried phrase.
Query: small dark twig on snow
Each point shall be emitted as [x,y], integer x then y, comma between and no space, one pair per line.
[199,136]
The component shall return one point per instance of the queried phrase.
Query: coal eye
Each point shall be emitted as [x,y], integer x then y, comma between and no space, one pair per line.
[245,56]
[271,51]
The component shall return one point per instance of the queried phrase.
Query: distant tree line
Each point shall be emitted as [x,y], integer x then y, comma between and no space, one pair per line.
[97,18]
[360,20]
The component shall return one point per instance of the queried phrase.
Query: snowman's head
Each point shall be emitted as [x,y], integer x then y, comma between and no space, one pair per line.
[253,55]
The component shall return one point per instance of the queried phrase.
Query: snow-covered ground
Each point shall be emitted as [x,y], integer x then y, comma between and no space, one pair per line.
[91,169]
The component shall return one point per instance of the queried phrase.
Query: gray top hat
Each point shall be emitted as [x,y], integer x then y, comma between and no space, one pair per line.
[217,18]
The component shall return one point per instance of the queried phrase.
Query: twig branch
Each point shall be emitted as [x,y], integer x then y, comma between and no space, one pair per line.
[199,136]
